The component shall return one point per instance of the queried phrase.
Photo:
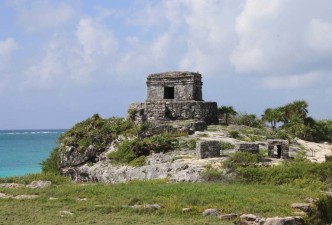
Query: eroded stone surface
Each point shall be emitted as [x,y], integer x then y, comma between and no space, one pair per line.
[11,185]
[211,212]
[39,184]
[207,149]
[174,96]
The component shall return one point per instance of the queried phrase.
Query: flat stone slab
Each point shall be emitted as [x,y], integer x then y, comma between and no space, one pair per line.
[11,185]
[39,184]
[305,207]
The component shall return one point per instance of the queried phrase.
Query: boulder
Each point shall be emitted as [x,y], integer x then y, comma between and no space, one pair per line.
[249,217]
[284,221]
[211,212]
[151,207]
[305,207]
[72,156]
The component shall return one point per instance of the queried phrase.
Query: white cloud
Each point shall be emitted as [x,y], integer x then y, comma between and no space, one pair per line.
[75,59]
[95,38]
[293,81]
[320,36]
[283,42]
[38,15]
[7,47]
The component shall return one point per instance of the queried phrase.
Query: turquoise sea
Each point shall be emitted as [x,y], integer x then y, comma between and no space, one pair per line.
[21,151]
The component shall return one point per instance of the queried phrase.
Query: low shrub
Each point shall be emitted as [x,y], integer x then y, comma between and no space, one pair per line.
[322,214]
[226,146]
[51,164]
[130,150]
[192,144]
[242,159]
[303,174]
[95,131]
[234,133]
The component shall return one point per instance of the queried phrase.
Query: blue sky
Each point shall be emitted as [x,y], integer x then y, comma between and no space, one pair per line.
[63,61]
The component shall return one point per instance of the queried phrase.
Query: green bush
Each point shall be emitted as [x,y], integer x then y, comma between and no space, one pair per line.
[234,133]
[192,144]
[95,131]
[51,164]
[226,146]
[242,159]
[130,150]
[323,213]
[248,120]
[299,173]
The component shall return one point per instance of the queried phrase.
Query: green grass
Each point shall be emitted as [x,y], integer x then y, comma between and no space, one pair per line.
[104,202]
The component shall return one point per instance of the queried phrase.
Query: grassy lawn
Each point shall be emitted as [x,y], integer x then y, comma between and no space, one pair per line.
[103,204]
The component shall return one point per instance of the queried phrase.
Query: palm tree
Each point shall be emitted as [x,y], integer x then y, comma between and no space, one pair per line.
[273,116]
[294,109]
[226,112]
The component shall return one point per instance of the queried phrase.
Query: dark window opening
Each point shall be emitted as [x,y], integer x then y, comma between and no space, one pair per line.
[169,93]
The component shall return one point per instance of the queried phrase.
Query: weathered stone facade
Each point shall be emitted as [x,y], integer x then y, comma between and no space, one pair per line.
[281,147]
[207,149]
[174,96]
[248,147]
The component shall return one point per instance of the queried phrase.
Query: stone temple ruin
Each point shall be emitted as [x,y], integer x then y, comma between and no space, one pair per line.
[278,148]
[174,96]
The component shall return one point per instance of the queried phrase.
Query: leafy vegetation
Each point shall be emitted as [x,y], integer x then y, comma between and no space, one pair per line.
[234,133]
[226,146]
[287,121]
[130,150]
[51,164]
[242,159]
[226,113]
[298,173]
[248,120]
[95,131]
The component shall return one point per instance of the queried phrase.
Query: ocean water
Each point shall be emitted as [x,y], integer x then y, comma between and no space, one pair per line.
[22,151]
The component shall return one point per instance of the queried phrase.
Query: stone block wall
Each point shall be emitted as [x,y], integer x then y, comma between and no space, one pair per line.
[207,149]
[187,86]
[173,110]
[282,147]
[248,147]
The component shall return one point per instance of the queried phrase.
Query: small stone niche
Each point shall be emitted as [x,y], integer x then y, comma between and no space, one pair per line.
[248,147]
[278,148]
[207,149]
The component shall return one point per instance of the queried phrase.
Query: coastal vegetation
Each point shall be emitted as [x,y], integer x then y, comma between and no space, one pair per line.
[242,183]
[287,121]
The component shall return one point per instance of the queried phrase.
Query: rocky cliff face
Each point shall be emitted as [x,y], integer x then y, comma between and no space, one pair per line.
[177,166]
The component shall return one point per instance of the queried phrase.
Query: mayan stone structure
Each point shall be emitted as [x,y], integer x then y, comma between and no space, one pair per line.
[207,149]
[174,96]
[248,147]
[278,148]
